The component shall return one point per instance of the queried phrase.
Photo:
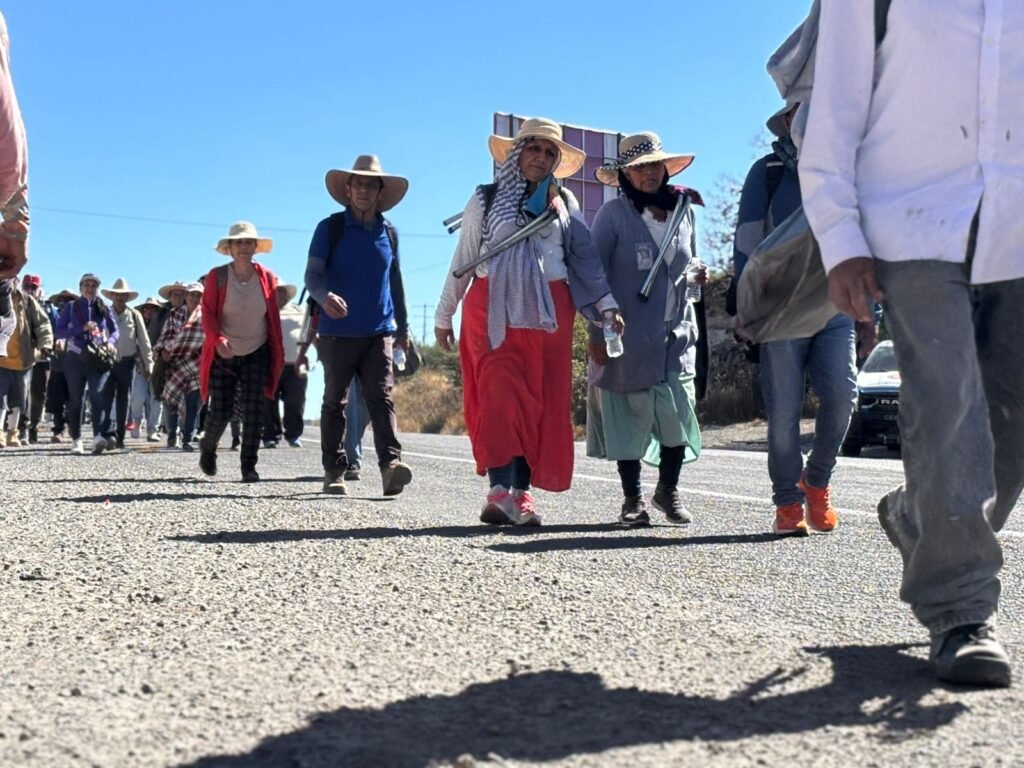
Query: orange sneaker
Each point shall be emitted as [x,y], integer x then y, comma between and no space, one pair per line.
[820,512]
[789,521]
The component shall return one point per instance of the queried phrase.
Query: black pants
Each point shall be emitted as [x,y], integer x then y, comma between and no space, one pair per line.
[668,470]
[57,395]
[291,390]
[118,391]
[238,380]
[369,358]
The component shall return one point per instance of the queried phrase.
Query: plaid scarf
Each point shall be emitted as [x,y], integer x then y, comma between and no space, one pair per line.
[518,294]
[182,338]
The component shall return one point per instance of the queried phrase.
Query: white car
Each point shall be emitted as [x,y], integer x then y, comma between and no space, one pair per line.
[874,420]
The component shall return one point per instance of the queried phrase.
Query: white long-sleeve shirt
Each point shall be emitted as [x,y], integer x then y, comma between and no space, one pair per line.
[900,149]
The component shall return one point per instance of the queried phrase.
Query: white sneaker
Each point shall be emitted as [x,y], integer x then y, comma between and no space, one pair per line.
[498,509]
[152,437]
[99,444]
[76,447]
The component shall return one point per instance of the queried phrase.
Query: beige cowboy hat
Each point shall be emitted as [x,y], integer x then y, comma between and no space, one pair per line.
[394,190]
[539,128]
[151,301]
[194,288]
[244,230]
[288,288]
[640,149]
[67,293]
[120,290]
[166,291]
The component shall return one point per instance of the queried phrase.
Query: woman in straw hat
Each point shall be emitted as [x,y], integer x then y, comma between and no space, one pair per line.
[642,407]
[517,319]
[180,346]
[134,355]
[87,319]
[243,354]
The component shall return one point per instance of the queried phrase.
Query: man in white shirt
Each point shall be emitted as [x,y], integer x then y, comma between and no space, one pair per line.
[291,387]
[912,171]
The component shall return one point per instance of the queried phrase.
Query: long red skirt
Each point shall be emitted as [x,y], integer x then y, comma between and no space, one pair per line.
[518,398]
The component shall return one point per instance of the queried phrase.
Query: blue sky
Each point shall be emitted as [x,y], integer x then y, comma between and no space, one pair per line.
[209,112]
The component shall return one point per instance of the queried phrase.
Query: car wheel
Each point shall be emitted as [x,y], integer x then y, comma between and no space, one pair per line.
[850,449]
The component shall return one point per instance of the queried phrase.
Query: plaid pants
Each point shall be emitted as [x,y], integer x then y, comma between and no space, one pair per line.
[237,381]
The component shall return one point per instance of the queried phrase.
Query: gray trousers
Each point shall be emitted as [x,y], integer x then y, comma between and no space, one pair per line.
[959,351]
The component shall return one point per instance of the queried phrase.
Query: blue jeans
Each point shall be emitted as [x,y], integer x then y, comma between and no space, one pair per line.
[958,348]
[828,359]
[80,376]
[144,406]
[357,416]
[188,425]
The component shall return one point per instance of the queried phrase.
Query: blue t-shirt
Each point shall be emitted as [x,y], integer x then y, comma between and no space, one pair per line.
[360,273]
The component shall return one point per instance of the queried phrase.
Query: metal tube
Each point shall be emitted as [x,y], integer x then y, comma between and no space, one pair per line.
[455,227]
[451,219]
[534,226]
[678,214]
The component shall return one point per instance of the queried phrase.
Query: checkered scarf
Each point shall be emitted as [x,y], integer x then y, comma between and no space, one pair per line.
[182,338]
[518,293]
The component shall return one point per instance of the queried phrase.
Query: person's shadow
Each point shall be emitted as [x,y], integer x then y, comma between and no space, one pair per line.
[551,715]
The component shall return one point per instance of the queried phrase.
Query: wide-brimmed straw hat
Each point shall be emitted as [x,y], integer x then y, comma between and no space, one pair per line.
[640,149]
[67,293]
[120,290]
[166,290]
[539,128]
[151,301]
[194,288]
[290,289]
[244,230]
[394,190]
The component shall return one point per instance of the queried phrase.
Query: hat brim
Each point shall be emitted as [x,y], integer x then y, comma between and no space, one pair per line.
[124,295]
[395,187]
[263,244]
[155,304]
[165,291]
[609,174]
[290,289]
[571,159]
[65,292]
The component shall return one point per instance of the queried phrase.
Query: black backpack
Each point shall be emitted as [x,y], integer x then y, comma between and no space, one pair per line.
[335,232]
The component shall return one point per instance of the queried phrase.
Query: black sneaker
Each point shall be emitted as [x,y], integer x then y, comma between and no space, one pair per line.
[33,436]
[187,446]
[971,655]
[172,441]
[250,476]
[235,442]
[208,463]
[667,501]
[634,512]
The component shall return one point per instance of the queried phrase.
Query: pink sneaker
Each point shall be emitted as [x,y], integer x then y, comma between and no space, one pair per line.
[525,513]
[499,509]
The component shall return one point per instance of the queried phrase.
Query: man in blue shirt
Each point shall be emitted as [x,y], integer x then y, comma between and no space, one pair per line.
[353,275]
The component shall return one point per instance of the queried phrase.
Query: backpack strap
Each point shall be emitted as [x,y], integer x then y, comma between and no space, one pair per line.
[335,231]
[392,237]
[773,172]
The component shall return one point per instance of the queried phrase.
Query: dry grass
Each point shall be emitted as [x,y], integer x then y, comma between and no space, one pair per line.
[429,402]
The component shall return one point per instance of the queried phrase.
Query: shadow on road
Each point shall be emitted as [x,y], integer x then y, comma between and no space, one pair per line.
[628,542]
[344,534]
[552,715]
[125,498]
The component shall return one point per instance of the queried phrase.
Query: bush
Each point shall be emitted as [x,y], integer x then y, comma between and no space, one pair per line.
[430,402]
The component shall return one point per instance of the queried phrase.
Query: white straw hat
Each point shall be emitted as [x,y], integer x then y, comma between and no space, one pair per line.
[539,128]
[244,230]
[166,290]
[122,291]
[640,149]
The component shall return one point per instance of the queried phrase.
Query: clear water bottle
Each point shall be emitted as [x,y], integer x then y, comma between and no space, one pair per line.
[692,286]
[612,339]
[398,357]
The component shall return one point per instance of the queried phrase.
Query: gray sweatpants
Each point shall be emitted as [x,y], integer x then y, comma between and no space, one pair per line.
[959,351]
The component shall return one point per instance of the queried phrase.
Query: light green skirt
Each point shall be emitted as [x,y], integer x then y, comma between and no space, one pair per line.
[634,425]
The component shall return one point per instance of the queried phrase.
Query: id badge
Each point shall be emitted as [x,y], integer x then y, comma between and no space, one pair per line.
[644,256]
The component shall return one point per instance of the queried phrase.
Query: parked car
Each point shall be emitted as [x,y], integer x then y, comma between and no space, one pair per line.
[878,403]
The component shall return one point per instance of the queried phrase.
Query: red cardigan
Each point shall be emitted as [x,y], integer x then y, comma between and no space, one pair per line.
[215,288]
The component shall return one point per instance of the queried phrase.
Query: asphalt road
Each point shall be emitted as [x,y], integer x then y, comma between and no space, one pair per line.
[151,617]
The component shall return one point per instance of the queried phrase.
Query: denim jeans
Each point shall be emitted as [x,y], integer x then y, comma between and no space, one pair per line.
[829,361]
[188,424]
[958,348]
[144,405]
[357,417]
[80,376]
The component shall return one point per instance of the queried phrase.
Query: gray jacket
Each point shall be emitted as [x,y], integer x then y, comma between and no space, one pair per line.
[651,352]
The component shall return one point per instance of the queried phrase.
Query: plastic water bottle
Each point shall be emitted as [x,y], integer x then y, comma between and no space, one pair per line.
[612,339]
[692,286]
[398,356]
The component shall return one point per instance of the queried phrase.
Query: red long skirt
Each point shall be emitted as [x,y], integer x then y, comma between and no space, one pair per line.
[518,398]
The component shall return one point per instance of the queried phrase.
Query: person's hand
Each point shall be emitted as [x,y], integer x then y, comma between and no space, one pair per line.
[403,343]
[301,360]
[850,283]
[224,349]
[702,275]
[13,256]
[335,307]
[597,352]
[618,324]
[445,338]
[90,326]
[867,338]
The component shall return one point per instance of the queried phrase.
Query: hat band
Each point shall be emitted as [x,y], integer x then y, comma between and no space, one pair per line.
[634,152]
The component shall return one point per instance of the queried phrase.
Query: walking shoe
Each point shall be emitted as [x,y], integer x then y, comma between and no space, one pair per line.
[33,436]
[119,444]
[352,473]
[55,438]
[634,512]
[187,447]
[335,484]
[172,441]
[821,515]
[296,443]
[3,439]
[498,509]
[270,443]
[971,655]
[99,445]
[208,463]
[250,476]
[525,512]
[130,426]
[152,437]
[667,501]
[13,439]
[135,432]
[235,442]
[789,520]
[395,476]
[77,447]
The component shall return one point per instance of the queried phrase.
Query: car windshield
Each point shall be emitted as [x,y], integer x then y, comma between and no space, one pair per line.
[883,358]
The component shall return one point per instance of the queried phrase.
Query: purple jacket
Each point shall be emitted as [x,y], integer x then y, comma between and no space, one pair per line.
[73,317]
